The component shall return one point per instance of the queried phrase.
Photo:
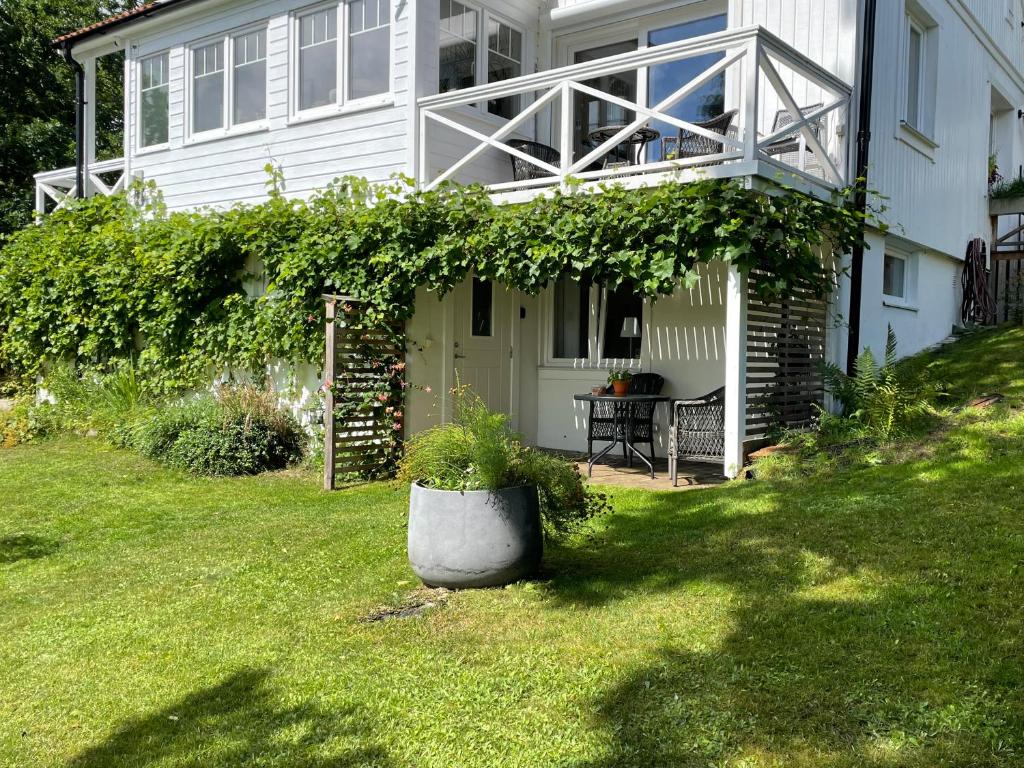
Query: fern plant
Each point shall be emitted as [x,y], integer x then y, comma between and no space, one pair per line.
[883,400]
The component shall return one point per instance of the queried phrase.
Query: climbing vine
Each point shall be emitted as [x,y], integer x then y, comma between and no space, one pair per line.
[185,294]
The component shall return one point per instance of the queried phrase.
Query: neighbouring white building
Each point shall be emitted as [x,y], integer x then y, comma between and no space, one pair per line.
[639,91]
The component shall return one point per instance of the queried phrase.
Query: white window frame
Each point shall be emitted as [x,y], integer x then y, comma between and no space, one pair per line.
[910,259]
[342,104]
[228,126]
[483,18]
[921,137]
[139,148]
[595,335]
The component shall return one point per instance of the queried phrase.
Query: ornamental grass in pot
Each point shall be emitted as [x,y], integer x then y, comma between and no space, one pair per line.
[481,502]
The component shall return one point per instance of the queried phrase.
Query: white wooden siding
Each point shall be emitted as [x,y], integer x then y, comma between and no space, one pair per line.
[371,143]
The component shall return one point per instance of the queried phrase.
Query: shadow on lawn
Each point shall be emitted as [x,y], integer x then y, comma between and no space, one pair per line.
[238,722]
[23,546]
[877,619]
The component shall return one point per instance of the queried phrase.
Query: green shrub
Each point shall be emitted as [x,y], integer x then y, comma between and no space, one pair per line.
[878,402]
[240,431]
[479,451]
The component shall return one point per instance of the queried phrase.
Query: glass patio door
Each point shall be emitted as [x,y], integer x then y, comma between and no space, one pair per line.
[590,113]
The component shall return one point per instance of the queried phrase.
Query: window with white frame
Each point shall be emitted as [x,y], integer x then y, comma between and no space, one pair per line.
[594,325]
[318,59]
[329,77]
[369,45]
[894,276]
[154,89]
[249,77]
[463,62]
[920,57]
[228,82]
[208,87]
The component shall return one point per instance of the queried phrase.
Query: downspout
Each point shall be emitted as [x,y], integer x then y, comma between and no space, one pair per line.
[867,76]
[79,71]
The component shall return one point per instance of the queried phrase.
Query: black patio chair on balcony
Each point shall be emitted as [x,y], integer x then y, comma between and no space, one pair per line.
[698,431]
[689,144]
[601,424]
[524,171]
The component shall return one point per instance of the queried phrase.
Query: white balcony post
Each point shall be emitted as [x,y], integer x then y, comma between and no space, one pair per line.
[40,202]
[565,144]
[735,371]
[751,98]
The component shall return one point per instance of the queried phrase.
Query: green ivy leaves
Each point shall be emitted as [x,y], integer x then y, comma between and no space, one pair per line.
[189,293]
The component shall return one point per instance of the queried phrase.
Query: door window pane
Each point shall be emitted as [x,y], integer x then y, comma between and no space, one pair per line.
[914,77]
[571,321]
[369,49]
[623,328]
[663,80]
[894,277]
[318,59]
[591,113]
[458,46]
[504,61]
[250,73]
[153,102]
[483,307]
[208,88]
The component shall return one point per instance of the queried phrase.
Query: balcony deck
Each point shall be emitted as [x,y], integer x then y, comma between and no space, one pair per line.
[791,123]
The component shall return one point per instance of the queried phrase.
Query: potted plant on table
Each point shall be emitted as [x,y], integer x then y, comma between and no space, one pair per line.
[620,382]
[481,502]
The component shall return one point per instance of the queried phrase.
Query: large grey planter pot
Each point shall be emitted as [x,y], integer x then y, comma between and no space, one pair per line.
[474,538]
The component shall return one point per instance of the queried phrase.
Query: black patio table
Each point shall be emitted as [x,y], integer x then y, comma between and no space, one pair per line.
[622,431]
[635,142]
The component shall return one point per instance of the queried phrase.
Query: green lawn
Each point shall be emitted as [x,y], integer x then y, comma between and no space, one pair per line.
[874,617]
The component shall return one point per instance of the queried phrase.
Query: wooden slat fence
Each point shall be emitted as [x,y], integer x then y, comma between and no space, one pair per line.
[785,351]
[363,408]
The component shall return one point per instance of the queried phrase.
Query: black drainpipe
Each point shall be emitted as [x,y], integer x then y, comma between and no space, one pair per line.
[867,76]
[65,51]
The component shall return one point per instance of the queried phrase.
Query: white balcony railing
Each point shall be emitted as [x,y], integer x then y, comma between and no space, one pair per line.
[791,118]
[104,177]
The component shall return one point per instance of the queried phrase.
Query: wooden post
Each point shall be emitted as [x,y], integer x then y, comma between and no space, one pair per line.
[329,357]
[735,371]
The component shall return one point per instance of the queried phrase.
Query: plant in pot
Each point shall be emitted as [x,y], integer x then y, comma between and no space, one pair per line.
[481,502]
[620,382]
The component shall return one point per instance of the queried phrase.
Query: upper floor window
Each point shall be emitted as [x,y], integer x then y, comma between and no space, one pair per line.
[365,70]
[920,65]
[462,59]
[226,96]
[153,100]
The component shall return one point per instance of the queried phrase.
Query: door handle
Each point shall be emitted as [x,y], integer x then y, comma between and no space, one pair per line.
[459,357]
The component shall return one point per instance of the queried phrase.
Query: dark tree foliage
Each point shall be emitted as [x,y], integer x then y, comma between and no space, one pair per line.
[37,97]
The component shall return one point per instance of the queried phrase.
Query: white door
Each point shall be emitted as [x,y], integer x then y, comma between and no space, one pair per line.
[483,341]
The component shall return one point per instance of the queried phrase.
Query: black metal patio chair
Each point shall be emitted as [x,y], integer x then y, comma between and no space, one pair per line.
[524,171]
[689,144]
[698,431]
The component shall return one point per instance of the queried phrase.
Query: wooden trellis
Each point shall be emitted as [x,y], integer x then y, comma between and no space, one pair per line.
[785,351]
[363,393]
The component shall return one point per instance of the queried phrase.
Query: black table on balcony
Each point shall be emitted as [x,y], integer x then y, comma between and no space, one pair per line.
[622,430]
[634,142]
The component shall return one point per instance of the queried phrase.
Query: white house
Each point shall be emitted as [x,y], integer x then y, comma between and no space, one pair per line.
[639,91]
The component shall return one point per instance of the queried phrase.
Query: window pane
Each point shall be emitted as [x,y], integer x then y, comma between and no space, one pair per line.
[458,46]
[504,52]
[571,319]
[369,51]
[483,307]
[318,59]
[623,328]
[705,103]
[250,74]
[153,100]
[208,88]
[894,277]
[914,79]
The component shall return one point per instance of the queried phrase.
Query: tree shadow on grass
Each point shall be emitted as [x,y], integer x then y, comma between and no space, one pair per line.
[23,546]
[873,621]
[240,722]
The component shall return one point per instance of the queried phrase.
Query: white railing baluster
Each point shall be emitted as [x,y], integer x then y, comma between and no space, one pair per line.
[565,138]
